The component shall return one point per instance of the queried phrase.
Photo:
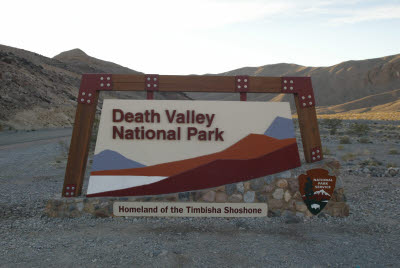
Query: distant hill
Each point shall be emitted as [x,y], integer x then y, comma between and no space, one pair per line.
[364,85]
[382,102]
[83,63]
[40,92]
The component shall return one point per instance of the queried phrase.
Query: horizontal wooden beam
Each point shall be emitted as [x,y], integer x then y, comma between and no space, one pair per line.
[194,83]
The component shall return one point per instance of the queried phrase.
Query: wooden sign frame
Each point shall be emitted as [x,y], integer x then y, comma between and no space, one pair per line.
[92,84]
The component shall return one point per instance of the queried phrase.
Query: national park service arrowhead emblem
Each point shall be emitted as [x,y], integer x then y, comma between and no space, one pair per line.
[316,188]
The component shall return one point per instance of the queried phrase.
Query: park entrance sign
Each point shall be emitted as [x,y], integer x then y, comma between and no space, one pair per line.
[158,147]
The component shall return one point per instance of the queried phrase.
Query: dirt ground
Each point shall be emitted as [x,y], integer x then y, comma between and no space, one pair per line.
[32,167]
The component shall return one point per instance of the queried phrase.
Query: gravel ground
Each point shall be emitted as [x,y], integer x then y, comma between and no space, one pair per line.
[32,172]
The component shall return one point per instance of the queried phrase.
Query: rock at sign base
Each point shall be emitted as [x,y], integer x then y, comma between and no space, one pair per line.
[209,196]
[235,198]
[278,194]
[282,183]
[221,197]
[249,197]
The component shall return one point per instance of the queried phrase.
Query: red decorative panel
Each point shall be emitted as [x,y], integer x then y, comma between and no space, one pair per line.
[316,154]
[216,173]
[301,86]
[242,83]
[90,84]
[151,82]
[70,190]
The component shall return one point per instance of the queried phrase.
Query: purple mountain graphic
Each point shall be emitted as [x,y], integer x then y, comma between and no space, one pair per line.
[111,160]
[281,128]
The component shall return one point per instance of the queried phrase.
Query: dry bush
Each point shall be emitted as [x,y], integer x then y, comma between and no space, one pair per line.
[332,125]
[344,140]
[349,156]
[364,140]
[359,129]
[370,162]
[326,151]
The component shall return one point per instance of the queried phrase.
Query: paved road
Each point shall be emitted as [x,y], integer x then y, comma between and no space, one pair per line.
[22,136]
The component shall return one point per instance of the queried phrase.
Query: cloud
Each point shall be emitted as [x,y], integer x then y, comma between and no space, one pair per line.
[369,14]
[206,14]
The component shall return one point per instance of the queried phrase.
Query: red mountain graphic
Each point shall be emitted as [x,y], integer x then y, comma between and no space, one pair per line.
[253,156]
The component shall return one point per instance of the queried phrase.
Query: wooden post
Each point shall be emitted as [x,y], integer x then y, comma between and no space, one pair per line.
[302,90]
[309,131]
[79,147]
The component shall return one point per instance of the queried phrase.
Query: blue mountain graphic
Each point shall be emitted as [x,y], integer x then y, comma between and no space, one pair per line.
[111,160]
[281,128]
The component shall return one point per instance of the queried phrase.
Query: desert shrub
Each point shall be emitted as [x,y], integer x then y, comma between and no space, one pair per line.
[332,125]
[364,140]
[349,156]
[359,129]
[393,151]
[365,152]
[344,140]
[370,162]
[326,151]
[389,165]
[340,147]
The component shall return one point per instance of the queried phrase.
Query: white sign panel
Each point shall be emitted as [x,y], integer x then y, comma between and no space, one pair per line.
[150,147]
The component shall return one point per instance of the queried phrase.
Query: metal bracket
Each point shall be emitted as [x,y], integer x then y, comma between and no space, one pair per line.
[302,87]
[242,83]
[316,154]
[91,83]
[151,82]
[70,190]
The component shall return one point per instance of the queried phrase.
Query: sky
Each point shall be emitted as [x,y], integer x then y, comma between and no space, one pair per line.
[198,37]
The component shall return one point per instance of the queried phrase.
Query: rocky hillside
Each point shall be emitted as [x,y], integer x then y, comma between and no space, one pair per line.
[383,102]
[40,92]
[366,85]
[83,63]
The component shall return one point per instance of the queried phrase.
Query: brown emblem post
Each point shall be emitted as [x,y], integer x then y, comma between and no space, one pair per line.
[316,188]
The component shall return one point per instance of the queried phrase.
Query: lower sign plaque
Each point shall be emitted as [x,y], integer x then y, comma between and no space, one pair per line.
[162,209]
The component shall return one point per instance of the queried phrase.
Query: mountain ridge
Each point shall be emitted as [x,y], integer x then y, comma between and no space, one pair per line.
[345,82]
[87,64]
[40,92]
